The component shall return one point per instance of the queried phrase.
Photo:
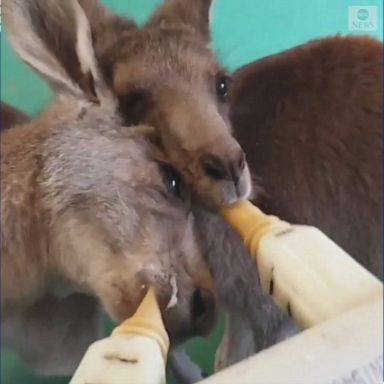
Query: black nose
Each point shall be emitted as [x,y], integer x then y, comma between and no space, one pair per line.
[203,310]
[228,167]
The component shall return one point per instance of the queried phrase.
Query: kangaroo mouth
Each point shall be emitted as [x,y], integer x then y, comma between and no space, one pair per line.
[165,285]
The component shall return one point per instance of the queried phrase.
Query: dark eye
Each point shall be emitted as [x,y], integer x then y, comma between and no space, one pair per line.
[134,106]
[172,180]
[222,86]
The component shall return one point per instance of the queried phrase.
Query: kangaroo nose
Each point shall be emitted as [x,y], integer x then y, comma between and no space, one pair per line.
[203,310]
[228,167]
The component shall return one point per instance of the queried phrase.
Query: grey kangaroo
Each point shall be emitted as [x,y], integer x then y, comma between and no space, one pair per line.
[92,211]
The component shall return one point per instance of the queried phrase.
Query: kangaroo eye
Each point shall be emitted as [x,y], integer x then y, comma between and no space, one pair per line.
[222,86]
[172,180]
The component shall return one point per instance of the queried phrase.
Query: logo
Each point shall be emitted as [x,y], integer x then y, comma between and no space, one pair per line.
[363,14]
[362,18]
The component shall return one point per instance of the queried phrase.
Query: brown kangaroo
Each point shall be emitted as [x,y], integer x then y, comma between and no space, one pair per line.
[309,120]
[91,210]
[164,75]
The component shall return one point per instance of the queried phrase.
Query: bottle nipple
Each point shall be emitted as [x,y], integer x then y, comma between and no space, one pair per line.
[147,321]
[251,222]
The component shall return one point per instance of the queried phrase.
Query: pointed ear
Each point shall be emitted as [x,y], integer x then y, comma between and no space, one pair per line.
[107,29]
[54,38]
[192,13]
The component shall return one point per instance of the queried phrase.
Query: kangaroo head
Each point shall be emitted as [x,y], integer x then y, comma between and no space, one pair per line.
[165,74]
[115,214]
[123,221]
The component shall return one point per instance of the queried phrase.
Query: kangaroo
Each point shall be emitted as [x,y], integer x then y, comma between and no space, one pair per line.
[165,75]
[93,211]
[314,113]
[309,120]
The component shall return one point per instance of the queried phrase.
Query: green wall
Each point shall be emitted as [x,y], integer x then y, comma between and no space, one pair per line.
[243,30]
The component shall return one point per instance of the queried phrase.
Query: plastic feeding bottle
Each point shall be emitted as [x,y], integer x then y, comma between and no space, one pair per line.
[306,273]
[136,352]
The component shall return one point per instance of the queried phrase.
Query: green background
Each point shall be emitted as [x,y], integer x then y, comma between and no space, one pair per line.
[243,30]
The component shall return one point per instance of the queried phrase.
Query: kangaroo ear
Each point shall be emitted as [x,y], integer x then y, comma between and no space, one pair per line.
[193,13]
[107,30]
[54,38]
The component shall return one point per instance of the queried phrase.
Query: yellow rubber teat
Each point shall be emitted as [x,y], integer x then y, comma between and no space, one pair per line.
[251,223]
[147,321]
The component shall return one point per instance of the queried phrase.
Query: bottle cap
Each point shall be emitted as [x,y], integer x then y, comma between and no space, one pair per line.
[147,321]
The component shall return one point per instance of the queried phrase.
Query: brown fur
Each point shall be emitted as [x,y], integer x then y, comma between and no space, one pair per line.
[309,120]
[90,209]
[10,116]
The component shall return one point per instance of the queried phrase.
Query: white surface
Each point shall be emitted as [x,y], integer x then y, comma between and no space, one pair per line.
[122,359]
[345,350]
